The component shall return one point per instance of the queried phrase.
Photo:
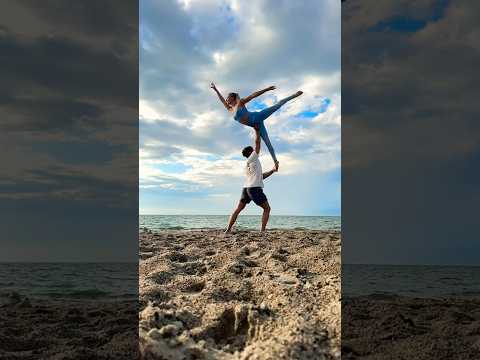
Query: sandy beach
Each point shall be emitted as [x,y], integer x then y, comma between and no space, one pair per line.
[45,329]
[378,327]
[244,296]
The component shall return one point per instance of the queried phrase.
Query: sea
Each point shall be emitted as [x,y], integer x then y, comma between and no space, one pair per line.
[70,281]
[119,281]
[414,281]
[159,222]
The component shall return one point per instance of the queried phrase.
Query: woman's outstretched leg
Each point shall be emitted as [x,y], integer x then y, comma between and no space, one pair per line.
[265,113]
[266,140]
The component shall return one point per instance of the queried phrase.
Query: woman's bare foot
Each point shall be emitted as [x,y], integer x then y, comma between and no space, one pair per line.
[276,165]
[298,93]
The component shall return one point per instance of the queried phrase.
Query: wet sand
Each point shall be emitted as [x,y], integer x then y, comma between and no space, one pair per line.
[379,327]
[245,296]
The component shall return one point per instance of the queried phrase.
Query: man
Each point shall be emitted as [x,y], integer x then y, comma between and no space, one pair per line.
[253,188]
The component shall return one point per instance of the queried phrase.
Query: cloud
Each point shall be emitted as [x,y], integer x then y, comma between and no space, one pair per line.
[410,132]
[64,107]
[241,48]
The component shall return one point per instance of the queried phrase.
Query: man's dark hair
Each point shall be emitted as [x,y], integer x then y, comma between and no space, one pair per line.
[247,151]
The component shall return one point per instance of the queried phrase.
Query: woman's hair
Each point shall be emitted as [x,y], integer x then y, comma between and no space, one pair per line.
[234,94]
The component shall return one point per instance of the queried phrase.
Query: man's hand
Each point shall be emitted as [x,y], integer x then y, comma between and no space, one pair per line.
[268,173]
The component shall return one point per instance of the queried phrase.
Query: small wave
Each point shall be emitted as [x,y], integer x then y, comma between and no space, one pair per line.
[466,293]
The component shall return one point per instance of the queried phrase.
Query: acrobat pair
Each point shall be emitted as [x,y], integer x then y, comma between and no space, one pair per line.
[236,105]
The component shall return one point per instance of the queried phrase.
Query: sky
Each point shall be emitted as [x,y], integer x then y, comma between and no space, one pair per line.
[69,131]
[410,134]
[190,147]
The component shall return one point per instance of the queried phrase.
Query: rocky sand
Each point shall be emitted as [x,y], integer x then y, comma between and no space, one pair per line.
[204,295]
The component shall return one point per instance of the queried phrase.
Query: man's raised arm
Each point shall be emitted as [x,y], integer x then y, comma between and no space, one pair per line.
[268,173]
[257,139]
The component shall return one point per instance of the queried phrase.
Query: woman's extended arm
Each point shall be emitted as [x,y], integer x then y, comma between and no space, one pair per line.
[212,85]
[257,93]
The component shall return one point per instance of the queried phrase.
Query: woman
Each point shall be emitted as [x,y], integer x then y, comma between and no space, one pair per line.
[236,105]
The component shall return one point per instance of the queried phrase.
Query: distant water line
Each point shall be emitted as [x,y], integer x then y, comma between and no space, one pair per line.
[413,281]
[172,222]
[72,281]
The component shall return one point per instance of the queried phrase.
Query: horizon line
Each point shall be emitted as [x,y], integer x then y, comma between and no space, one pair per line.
[228,214]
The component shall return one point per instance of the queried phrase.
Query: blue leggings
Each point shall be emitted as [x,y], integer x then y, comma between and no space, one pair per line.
[258,117]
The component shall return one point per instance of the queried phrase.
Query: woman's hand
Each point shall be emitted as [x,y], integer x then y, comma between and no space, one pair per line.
[212,85]
[271,87]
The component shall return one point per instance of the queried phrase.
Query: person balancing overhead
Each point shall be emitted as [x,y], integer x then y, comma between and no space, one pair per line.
[253,187]
[236,106]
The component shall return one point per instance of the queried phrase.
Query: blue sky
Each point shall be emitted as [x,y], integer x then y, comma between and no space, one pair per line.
[190,147]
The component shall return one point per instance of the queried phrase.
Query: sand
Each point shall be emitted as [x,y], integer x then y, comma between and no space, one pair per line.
[244,296]
[379,327]
[46,329]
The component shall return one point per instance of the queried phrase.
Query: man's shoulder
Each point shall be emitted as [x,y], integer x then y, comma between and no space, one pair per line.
[253,156]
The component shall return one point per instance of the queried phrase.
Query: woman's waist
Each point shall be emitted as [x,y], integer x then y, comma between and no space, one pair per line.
[244,118]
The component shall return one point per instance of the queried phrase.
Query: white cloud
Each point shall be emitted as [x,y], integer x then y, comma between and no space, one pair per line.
[241,47]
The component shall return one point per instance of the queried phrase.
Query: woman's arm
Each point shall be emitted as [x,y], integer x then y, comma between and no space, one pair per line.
[257,93]
[212,85]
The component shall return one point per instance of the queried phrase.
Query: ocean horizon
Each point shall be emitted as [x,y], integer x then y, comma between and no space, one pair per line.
[424,281]
[70,280]
[179,222]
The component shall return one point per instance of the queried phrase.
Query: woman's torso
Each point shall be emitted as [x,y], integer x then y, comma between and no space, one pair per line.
[241,114]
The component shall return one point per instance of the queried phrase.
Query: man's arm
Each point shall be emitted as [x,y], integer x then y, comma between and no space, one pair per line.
[257,93]
[268,173]
[212,85]
[257,139]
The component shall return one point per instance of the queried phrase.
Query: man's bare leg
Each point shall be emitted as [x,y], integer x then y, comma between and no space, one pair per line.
[233,217]
[266,214]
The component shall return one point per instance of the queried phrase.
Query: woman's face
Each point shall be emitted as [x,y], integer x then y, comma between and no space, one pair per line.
[231,100]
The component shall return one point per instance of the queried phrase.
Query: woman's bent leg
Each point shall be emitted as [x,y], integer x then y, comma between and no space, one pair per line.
[266,140]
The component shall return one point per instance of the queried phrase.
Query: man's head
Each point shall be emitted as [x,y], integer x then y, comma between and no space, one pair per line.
[247,151]
[232,99]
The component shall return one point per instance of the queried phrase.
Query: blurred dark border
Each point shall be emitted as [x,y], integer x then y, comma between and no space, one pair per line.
[69,179]
[410,179]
